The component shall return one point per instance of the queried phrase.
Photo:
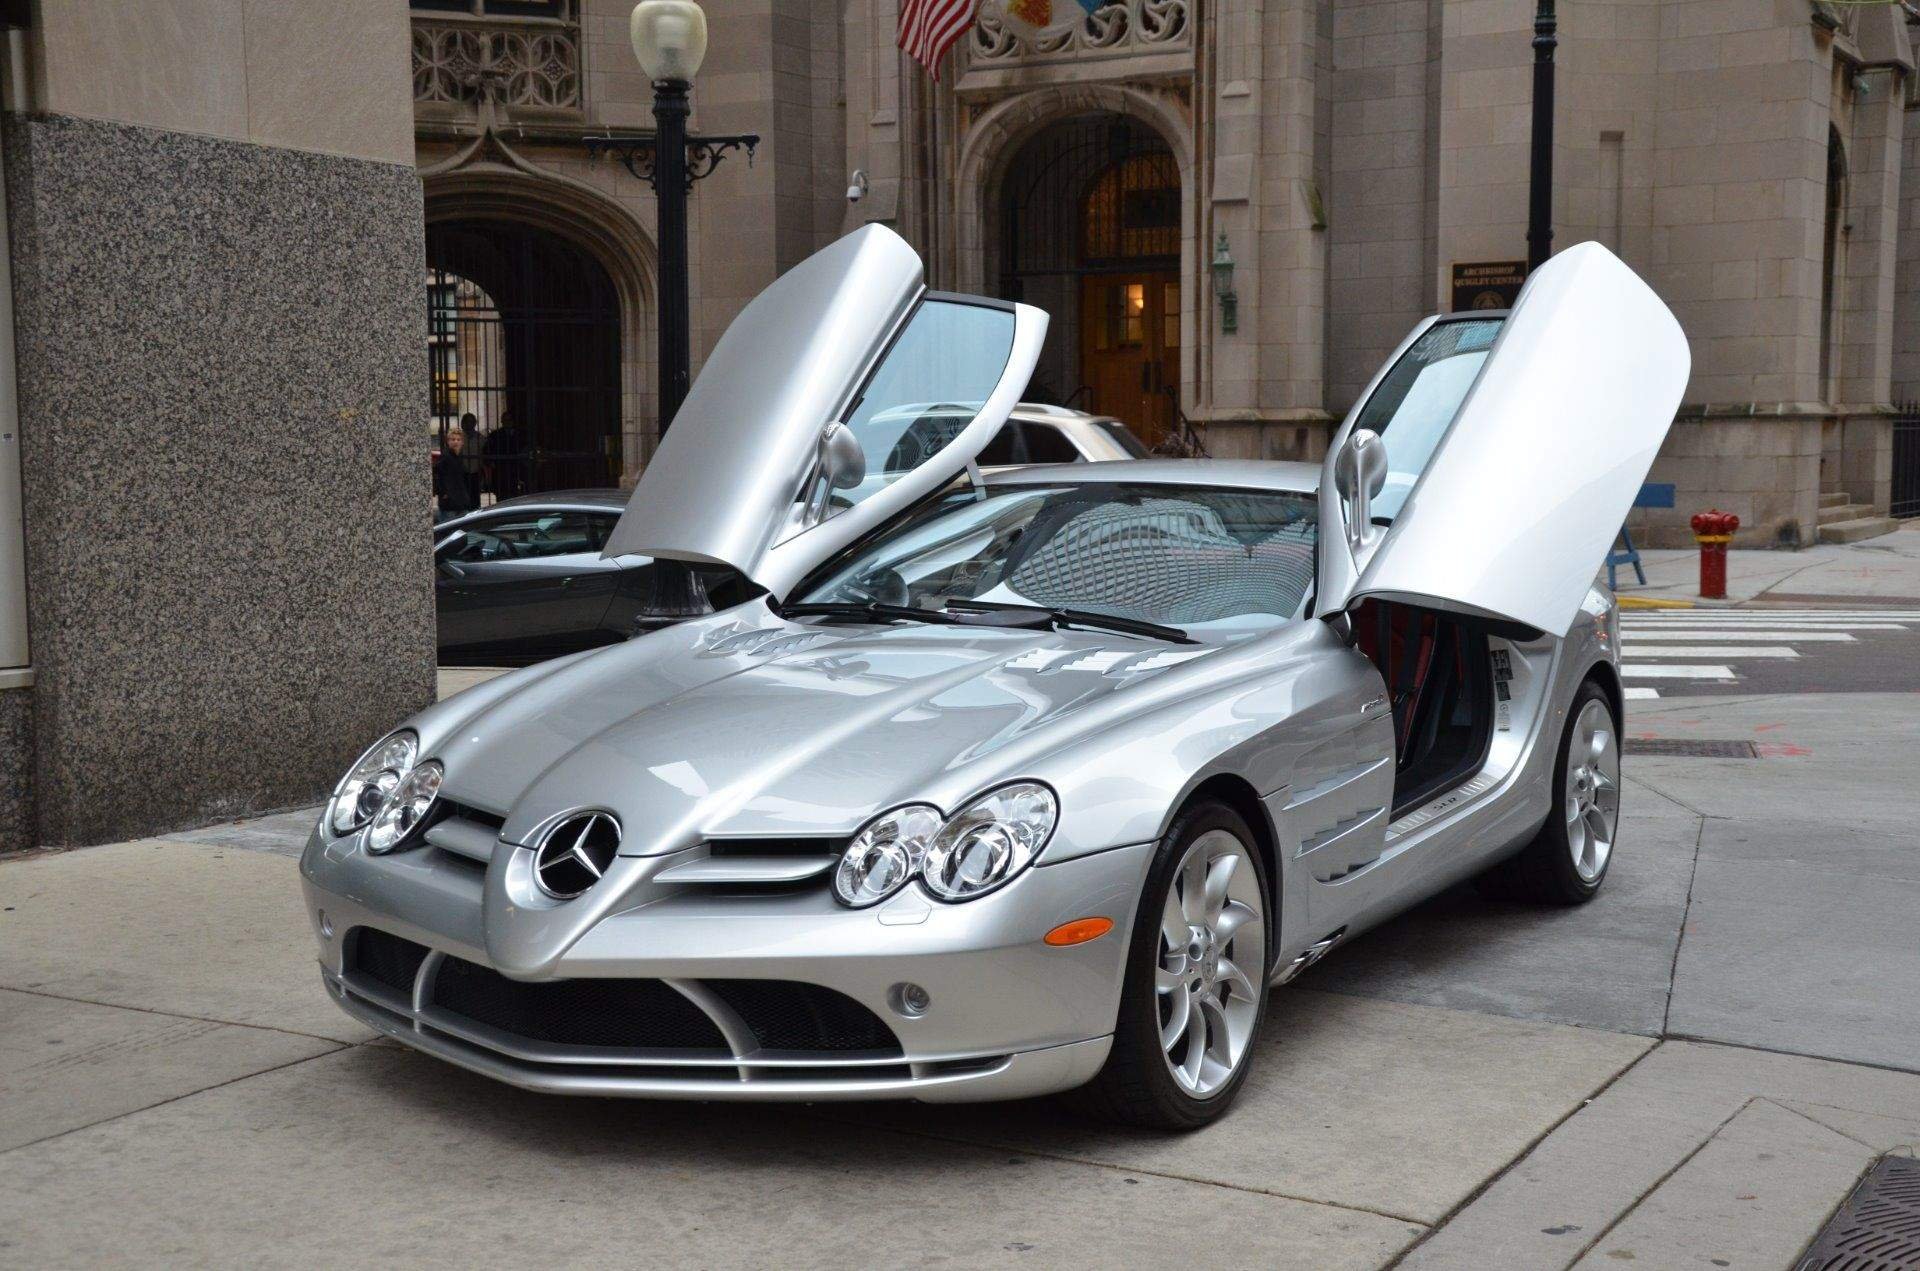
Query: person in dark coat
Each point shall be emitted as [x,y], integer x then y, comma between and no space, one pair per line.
[453,482]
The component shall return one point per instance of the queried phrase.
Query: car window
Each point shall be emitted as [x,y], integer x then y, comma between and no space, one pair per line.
[928,388]
[1122,434]
[600,529]
[1178,555]
[529,535]
[1003,449]
[1418,398]
[1047,444]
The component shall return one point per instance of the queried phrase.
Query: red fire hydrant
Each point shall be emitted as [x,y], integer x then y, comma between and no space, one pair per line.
[1713,530]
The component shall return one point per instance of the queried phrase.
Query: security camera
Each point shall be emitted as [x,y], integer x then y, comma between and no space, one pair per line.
[857,188]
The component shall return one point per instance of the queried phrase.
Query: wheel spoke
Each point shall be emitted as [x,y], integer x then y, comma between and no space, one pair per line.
[1237,981]
[1219,878]
[1176,1025]
[1170,980]
[1196,1047]
[1173,924]
[1597,825]
[1232,918]
[1193,889]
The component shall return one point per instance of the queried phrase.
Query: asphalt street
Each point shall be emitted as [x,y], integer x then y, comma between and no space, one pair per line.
[1692,1071]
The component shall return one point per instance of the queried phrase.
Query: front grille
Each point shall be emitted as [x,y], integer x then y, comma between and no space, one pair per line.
[385,958]
[789,1016]
[729,848]
[448,809]
[627,1014]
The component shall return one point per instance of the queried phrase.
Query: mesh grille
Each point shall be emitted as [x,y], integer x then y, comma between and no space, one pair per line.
[627,1014]
[385,958]
[788,1016]
[1169,560]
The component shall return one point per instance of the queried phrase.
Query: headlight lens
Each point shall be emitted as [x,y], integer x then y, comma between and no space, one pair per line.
[886,855]
[986,843]
[405,808]
[364,790]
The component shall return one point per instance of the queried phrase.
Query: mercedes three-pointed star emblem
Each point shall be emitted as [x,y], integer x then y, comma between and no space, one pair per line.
[576,853]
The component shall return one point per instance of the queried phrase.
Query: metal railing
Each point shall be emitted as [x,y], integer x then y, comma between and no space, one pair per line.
[1904,500]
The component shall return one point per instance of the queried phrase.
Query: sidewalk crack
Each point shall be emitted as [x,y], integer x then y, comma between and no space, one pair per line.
[148,1010]
[1686,916]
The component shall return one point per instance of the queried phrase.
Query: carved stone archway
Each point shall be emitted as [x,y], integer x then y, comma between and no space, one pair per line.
[488,180]
[994,138]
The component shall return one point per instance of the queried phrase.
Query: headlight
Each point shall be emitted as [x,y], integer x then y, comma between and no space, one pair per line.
[986,843]
[364,790]
[405,808]
[886,855]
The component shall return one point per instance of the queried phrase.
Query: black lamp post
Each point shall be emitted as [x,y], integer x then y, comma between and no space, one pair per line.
[670,41]
[1540,173]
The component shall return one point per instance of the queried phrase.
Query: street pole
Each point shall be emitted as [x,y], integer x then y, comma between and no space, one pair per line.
[1540,172]
[670,183]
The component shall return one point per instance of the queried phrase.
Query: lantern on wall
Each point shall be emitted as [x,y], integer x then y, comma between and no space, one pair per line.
[1223,284]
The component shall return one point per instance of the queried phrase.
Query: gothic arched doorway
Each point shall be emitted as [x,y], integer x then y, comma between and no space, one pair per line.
[524,352]
[1090,232]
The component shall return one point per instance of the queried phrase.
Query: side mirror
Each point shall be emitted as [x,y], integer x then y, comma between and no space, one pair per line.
[1359,474]
[841,465]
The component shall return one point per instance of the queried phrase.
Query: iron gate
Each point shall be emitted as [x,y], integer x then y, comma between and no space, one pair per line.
[1906,461]
[524,353]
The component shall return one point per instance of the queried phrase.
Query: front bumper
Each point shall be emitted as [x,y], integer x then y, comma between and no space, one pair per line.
[1010,1017]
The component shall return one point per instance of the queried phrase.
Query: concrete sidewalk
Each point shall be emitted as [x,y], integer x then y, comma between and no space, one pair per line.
[1475,1085]
[1875,571]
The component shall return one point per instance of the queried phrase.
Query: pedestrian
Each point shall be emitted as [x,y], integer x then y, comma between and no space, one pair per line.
[453,482]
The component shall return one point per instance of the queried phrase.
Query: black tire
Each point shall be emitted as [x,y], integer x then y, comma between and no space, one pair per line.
[1543,872]
[1136,1086]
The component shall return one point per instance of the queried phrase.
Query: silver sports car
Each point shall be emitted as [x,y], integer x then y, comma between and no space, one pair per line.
[1022,782]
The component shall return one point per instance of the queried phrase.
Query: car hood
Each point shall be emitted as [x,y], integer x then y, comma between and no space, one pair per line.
[751,726]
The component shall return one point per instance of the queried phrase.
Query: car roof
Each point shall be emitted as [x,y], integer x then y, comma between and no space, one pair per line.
[613,498]
[1240,474]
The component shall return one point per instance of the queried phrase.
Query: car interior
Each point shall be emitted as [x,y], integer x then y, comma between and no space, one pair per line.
[1439,675]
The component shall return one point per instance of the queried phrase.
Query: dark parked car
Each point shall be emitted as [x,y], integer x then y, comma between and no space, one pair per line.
[524,579]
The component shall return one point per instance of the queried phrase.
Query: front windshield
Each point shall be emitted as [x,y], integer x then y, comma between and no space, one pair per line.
[1179,556]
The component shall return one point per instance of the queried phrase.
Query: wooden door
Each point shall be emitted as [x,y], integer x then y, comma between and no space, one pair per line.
[1130,348]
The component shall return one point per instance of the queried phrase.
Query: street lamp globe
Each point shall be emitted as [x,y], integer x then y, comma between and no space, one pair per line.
[669,37]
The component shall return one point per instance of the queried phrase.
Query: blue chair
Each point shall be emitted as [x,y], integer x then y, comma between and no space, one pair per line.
[1654,494]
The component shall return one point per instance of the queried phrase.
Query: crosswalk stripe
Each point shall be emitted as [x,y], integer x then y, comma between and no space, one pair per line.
[1638,650]
[1647,671]
[1639,692]
[1771,626]
[1721,633]
[1768,615]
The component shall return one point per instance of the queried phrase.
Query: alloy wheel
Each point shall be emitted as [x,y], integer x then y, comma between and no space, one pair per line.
[1593,789]
[1212,963]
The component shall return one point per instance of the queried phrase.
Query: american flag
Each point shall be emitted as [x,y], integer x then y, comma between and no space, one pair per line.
[928,29]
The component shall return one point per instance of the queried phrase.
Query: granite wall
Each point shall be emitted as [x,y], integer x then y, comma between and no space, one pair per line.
[16,763]
[222,394]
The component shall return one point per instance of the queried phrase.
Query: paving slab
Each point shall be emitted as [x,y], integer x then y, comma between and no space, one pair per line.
[1575,1190]
[378,1154]
[64,1065]
[1884,568]
[1803,958]
[1381,1106]
[1752,1196]
[213,933]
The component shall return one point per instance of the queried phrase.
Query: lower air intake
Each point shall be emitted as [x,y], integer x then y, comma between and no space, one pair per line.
[626,1014]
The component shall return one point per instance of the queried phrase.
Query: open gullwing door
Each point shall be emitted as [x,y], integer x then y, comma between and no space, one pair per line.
[1492,461]
[843,393]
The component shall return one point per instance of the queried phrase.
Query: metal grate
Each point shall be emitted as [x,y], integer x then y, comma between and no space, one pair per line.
[1878,1228]
[385,958]
[1905,490]
[1696,748]
[627,1014]
[792,1016]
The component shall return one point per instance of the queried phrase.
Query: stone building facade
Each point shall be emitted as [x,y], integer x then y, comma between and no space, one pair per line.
[1752,158]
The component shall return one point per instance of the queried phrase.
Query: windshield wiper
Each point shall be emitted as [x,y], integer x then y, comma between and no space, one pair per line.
[867,612]
[1081,618]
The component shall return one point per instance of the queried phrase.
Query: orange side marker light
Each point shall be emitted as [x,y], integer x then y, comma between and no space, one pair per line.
[1079,931]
